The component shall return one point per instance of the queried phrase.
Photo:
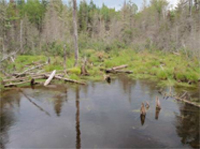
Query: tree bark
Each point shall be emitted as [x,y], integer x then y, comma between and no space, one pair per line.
[75,33]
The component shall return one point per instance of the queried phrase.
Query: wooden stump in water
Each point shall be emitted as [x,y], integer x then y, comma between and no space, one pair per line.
[142,110]
[107,78]
[32,82]
[158,103]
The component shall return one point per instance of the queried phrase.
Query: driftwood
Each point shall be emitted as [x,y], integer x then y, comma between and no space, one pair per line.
[67,80]
[50,78]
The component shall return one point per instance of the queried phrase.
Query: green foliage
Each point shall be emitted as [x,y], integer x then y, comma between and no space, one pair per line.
[74,70]
[49,68]
[74,77]
[34,10]
[27,59]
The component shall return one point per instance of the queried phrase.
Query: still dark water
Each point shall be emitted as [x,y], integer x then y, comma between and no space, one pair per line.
[99,115]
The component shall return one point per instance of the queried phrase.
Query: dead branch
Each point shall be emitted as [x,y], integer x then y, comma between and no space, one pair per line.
[67,80]
[186,101]
[50,78]
[24,73]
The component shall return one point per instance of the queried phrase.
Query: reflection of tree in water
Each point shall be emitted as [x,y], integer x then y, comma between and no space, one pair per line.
[188,126]
[78,131]
[148,86]
[127,85]
[7,116]
[157,113]
[59,102]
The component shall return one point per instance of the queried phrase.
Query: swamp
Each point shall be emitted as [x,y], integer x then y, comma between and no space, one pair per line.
[84,74]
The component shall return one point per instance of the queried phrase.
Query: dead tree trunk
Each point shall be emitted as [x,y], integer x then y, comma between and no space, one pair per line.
[65,58]
[21,36]
[190,8]
[75,33]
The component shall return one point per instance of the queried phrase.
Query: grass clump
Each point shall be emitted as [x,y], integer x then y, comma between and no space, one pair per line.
[74,70]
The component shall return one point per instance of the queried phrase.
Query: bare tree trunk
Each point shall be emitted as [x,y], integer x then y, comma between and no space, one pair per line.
[75,33]
[65,59]
[21,35]
[196,4]
[190,8]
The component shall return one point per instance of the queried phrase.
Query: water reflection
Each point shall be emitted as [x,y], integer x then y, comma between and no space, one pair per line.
[188,125]
[36,105]
[142,118]
[78,131]
[111,121]
[7,116]
[157,113]
[59,101]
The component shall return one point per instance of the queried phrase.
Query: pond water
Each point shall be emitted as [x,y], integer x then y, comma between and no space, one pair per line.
[99,115]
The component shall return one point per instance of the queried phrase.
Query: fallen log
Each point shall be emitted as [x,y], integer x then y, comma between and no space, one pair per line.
[116,69]
[23,80]
[186,101]
[50,78]
[41,76]
[15,84]
[120,71]
[67,80]
[119,67]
